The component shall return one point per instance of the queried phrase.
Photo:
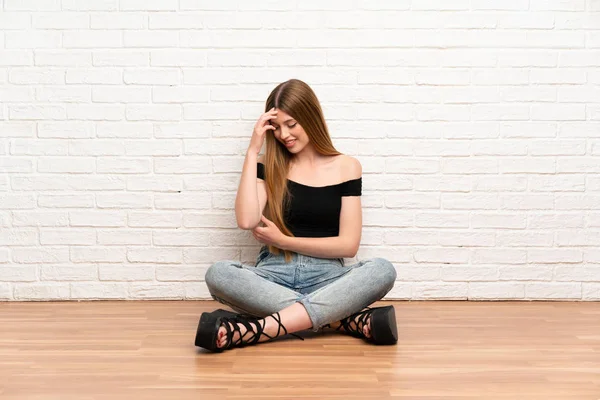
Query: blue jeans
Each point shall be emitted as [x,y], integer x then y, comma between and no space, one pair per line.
[328,290]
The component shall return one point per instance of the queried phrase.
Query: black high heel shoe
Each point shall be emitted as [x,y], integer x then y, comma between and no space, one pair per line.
[208,329]
[383,325]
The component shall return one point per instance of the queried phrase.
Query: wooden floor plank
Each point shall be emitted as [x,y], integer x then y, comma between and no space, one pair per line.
[446,350]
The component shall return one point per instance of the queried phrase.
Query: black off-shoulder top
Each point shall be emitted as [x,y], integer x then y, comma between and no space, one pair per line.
[314,211]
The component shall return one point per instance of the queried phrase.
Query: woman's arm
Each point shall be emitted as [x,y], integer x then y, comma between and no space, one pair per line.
[251,196]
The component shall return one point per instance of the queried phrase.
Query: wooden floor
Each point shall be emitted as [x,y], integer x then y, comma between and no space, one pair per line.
[446,350]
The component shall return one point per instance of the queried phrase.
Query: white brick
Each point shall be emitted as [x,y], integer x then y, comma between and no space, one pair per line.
[15,165]
[554,221]
[500,112]
[154,147]
[66,201]
[524,239]
[58,58]
[437,220]
[136,130]
[124,200]
[499,183]
[20,273]
[14,20]
[556,76]
[496,291]
[90,5]
[38,39]
[121,272]
[528,129]
[180,273]
[4,255]
[183,165]
[157,291]
[155,255]
[62,20]
[180,238]
[577,202]
[6,291]
[68,272]
[439,291]
[179,20]
[527,202]
[176,58]
[410,166]
[17,129]
[196,291]
[72,165]
[143,38]
[209,220]
[96,112]
[154,76]
[97,218]
[577,273]
[498,221]
[525,20]
[526,58]
[415,274]
[40,255]
[154,184]
[469,165]
[469,274]
[210,255]
[103,290]
[470,201]
[98,254]
[65,130]
[63,94]
[467,239]
[182,201]
[37,112]
[193,130]
[40,218]
[413,200]
[124,237]
[42,291]
[95,147]
[519,165]
[577,165]
[96,75]
[86,39]
[559,183]
[551,290]
[161,112]
[383,218]
[155,219]
[15,57]
[111,20]
[121,58]
[526,273]
[442,256]
[148,5]
[554,256]
[209,183]
[591,291]
[67,236]
[122,165]
[17,201]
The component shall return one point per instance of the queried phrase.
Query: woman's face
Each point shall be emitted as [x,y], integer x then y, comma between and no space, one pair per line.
[289,132]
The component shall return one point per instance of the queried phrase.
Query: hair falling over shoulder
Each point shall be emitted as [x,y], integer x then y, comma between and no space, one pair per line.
[297,99]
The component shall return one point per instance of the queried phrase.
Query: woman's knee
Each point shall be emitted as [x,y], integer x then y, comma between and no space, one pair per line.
[219,274]
[385,271]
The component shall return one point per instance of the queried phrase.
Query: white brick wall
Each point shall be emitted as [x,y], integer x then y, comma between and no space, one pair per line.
[123,125]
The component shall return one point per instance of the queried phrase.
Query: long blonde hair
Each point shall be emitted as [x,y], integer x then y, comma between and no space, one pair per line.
[296,98]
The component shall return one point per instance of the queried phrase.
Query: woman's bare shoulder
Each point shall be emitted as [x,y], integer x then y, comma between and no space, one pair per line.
[350,167]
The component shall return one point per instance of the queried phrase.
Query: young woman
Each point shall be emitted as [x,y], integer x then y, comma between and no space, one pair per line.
[306,194]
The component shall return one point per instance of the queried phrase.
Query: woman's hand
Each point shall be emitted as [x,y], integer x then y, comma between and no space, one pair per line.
[268,234]
[260,128]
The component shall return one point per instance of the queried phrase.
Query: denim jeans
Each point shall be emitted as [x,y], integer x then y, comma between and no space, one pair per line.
[328,290]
